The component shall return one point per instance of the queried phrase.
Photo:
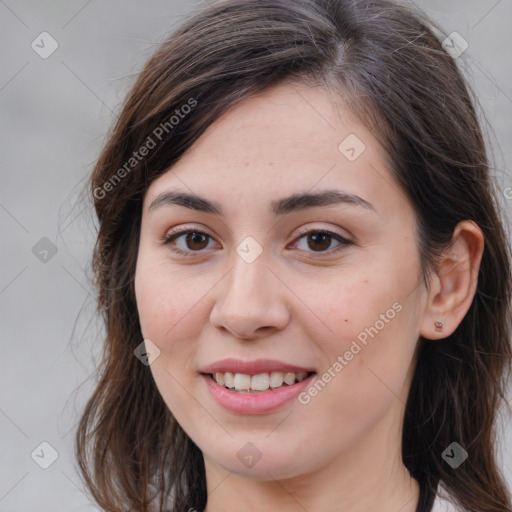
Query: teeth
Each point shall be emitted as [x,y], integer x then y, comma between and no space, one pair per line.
[242,381]
[276,379]
[229,380]
[261,382]
[289,378]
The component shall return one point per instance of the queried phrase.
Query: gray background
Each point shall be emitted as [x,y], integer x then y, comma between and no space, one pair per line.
[53,118]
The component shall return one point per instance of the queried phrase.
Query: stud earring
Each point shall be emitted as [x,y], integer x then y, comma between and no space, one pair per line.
[439,326]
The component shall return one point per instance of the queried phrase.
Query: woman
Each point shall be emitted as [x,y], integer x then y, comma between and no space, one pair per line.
[302,270]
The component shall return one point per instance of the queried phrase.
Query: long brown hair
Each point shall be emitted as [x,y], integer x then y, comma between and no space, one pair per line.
[391,69]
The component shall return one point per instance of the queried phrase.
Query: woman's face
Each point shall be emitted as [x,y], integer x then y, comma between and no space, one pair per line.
[269,284]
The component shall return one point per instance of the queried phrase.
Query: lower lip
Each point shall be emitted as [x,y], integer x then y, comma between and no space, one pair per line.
[255,403]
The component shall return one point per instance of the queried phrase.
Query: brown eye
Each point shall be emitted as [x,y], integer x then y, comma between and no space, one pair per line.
[191,241]
[320,241]
[196,241]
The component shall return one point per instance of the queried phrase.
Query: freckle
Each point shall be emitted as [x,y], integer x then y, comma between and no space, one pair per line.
[346,320]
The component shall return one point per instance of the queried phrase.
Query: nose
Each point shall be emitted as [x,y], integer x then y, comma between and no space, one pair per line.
[251,302]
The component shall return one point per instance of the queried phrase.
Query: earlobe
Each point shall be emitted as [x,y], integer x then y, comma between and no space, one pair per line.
[454,283]
[439,326]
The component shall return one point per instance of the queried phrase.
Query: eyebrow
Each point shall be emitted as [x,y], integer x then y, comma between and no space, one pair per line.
[293,203]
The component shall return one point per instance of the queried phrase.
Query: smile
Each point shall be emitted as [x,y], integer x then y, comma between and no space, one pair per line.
[245,383]
[256,401]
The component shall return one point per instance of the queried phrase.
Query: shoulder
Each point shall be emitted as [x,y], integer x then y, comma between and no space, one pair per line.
[443,501]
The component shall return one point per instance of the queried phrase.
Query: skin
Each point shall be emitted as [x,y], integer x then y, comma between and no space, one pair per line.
[297,302]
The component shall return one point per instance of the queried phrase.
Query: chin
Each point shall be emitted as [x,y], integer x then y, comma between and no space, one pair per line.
[261,459]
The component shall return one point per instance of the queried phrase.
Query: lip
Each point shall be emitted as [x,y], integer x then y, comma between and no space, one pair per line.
[253,367]
[257,403]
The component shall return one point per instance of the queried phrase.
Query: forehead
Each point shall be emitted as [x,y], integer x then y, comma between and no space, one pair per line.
[281,124]
[289,138]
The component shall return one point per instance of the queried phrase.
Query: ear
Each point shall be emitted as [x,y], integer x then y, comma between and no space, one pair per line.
[453,285]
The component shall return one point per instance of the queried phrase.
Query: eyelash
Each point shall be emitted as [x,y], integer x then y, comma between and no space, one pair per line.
[171,237]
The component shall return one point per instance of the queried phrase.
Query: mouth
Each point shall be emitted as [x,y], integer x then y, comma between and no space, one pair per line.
[259,383]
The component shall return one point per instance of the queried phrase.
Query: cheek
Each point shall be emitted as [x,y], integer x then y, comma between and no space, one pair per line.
[344,308]
[168,303]
[369,330]
[168,308]
[376,300]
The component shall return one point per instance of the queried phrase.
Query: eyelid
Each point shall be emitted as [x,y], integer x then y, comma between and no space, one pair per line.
[182,230]
[308,229]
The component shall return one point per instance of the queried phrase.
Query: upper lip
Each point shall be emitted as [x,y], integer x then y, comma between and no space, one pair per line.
[253,367]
